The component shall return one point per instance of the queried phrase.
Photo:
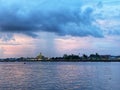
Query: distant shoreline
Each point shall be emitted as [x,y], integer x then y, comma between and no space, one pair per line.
[59,60]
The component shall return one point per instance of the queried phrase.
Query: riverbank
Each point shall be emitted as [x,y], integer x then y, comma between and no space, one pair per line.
[59,60]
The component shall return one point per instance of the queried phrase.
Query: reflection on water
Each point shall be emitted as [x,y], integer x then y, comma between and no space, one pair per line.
[59,76]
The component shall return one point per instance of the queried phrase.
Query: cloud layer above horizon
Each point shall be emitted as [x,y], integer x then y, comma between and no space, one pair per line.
[45,24]
[75,18]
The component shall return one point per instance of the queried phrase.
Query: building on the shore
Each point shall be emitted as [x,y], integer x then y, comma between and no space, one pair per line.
[31,59]
[105,57]
[40,57]
[118,57]
[115,58]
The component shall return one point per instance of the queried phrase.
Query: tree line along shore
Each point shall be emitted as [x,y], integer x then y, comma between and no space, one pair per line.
[69,58]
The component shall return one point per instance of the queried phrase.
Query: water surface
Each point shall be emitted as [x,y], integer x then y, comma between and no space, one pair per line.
[59,76]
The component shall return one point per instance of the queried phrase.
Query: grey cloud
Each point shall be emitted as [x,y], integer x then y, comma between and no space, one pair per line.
[60,20]
[2,50]
[100,5]
[6,36]
[15,44]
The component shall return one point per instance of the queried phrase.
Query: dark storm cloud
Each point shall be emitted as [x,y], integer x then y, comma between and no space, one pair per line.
[50,17]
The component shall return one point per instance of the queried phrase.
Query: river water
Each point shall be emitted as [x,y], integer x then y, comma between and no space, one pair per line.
[60,76]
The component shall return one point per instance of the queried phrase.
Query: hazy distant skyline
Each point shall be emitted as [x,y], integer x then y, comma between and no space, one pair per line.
[55,27]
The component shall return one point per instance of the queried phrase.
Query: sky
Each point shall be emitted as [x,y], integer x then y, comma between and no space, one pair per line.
[57,27]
